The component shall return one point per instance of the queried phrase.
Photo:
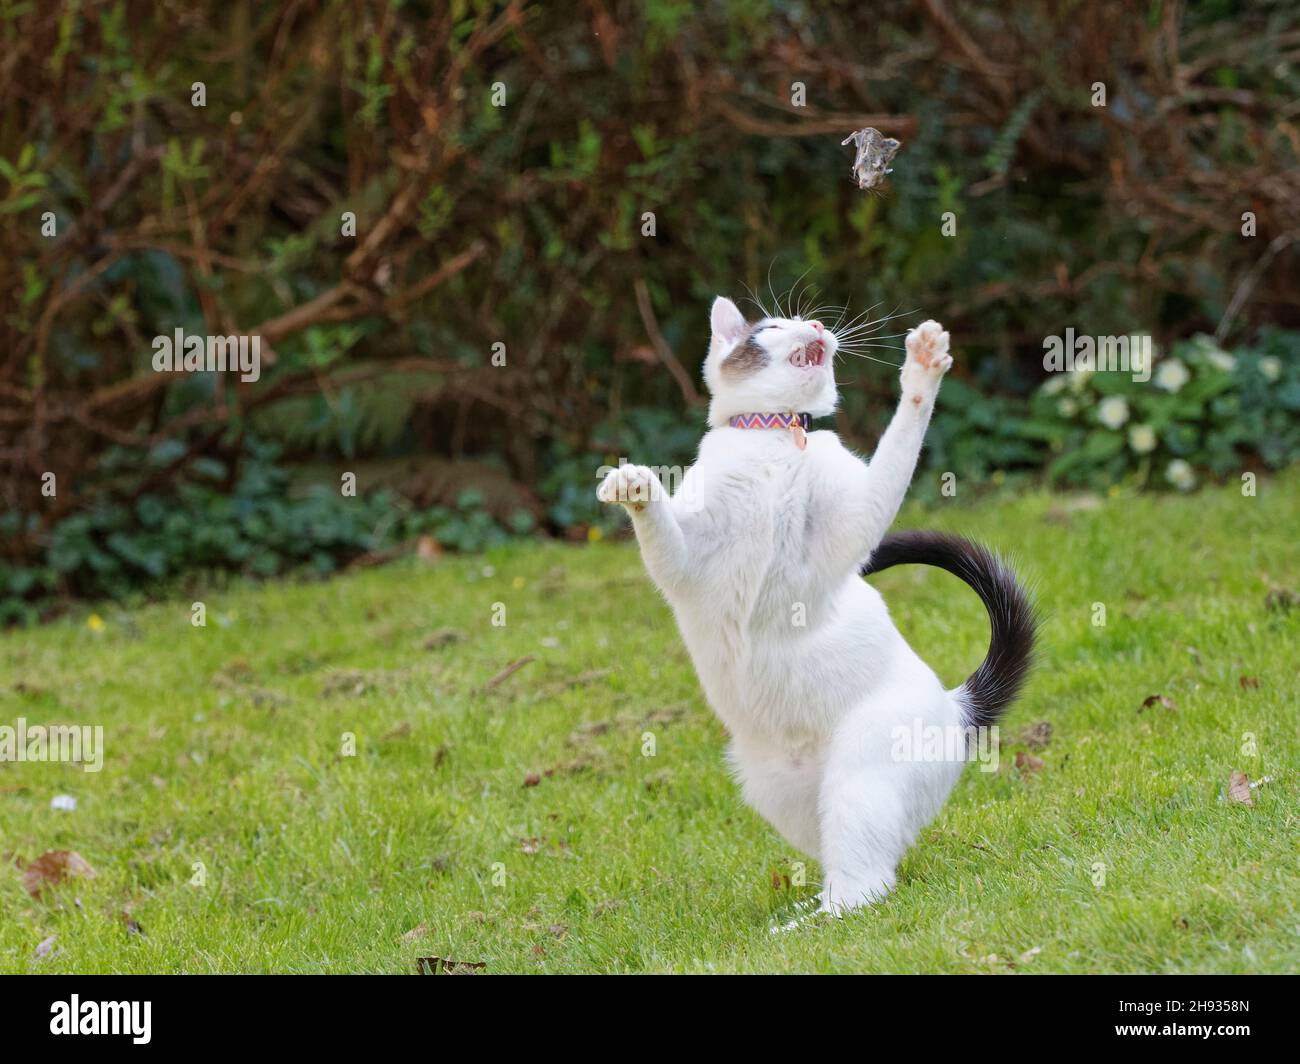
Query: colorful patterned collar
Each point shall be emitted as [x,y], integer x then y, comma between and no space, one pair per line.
[797,424]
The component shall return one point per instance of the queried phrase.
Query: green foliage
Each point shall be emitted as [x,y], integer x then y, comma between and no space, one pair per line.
[978,437]
[467,526]
[255,525]
[1205,410]
[25,182]
[573,473]
[998,159]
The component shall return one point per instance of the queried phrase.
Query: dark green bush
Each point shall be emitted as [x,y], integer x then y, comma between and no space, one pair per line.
[257,526]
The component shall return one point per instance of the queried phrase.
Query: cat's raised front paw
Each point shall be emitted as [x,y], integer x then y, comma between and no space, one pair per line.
[631,486]
[927,355]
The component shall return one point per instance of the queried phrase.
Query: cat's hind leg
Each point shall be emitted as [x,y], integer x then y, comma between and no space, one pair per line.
[865,829]
[877,793]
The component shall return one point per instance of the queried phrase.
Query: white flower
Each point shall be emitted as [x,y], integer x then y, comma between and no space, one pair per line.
[1142,438]
[1271,367]
[1171,375]
[1204,347]
[1180,475]
[1113,411]
[1067,407]
[63,801]
[1079,380]
[1054,384]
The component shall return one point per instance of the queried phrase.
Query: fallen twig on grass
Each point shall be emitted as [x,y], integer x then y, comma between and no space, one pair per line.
[507,672]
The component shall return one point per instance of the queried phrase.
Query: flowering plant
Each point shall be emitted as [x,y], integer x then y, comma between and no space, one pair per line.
[1204,410]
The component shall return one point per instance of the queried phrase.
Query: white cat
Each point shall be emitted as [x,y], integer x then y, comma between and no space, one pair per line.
[760,555]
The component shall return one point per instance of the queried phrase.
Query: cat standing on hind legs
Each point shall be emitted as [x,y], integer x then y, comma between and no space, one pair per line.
[760,555]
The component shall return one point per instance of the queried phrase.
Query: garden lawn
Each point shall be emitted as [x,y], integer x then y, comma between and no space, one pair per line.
[515,820]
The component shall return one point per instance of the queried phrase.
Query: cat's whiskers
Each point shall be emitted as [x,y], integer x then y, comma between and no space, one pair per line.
[752,297]
[790,295]
[871,358]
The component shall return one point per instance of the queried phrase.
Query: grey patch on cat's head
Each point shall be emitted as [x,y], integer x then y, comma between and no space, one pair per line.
[748,356]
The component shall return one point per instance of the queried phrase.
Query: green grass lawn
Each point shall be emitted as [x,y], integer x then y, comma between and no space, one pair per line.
[521,825]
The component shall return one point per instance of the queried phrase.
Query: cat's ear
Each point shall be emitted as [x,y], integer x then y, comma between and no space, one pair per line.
[727,321]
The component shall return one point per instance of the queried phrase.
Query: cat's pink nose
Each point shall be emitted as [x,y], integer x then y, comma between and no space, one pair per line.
[818,326]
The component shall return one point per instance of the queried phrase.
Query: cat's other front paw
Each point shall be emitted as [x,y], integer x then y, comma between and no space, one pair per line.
[927,358]
[631,486]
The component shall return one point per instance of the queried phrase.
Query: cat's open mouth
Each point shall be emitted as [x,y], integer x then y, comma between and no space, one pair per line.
[811,354]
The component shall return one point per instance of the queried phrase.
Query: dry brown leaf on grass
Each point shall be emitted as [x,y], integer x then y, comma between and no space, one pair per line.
[1281,600]
[53,867]
[1036,736]
[1028,762]
[581,680]
[559,931]
[1239,789]
[418,931]
[348,682]
[1249,681]
[443,966]
[665,716]
[1151,700]
[571,768]
[444,637]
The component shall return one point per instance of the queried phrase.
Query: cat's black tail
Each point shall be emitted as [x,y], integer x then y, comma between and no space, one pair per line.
[997,681]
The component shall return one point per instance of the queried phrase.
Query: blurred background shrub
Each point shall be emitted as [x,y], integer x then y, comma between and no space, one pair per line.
[522,231]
